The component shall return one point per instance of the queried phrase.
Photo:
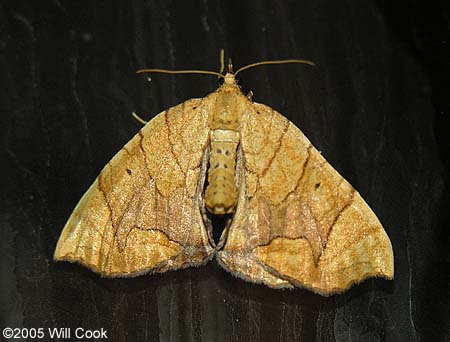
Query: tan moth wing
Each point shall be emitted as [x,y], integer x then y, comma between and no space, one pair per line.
[298,223]
[142,212]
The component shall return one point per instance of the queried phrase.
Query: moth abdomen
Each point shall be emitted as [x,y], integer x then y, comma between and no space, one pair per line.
[221,192]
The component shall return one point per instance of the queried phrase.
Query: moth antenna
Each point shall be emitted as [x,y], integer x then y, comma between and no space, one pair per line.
[138,118]
[164,71]
[222,61]
[284,61]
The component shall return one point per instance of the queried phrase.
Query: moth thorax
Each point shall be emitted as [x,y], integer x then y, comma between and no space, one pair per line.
[226,110]
[221,192]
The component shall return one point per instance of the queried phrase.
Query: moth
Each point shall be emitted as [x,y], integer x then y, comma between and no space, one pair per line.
[295,221]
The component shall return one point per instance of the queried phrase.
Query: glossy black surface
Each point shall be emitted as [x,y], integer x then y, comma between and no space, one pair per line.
[376,105]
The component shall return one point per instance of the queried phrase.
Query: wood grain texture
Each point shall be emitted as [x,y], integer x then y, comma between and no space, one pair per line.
[376,105]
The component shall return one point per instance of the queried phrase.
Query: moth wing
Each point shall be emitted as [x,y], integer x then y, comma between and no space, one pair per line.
[142,212]
[298,223]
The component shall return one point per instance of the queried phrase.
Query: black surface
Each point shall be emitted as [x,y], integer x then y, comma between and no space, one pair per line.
[376,105]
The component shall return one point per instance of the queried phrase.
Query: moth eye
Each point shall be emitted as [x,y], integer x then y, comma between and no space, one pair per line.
[221,80]
[238,80]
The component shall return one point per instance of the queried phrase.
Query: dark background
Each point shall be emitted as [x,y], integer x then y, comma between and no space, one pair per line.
[377,105]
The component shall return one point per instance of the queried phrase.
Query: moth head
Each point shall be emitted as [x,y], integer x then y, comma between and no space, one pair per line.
[230,80]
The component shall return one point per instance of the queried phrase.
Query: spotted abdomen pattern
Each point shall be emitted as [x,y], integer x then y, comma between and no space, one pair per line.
[221,192]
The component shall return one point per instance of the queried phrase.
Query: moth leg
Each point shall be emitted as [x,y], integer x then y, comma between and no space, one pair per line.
[138,118]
